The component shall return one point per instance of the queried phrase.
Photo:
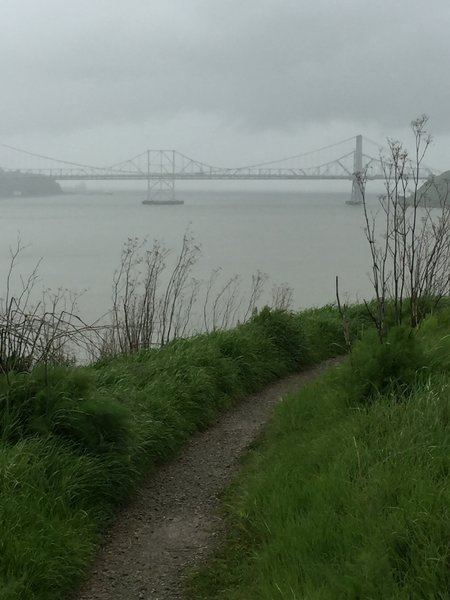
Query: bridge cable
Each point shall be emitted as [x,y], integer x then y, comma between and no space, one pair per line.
[299,155]
[65,162]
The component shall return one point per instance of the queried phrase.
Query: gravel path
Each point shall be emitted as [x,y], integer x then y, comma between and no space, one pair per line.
[173,522]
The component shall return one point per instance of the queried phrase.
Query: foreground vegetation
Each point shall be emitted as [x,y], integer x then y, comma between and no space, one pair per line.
[347,495]
[75,441]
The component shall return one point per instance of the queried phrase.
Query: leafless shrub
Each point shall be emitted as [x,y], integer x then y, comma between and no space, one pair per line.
[148,310]
[259,279]
[45,331]
[282,296]
[178,297]
[221,313]
[154,302]
[226,304]
[151,305]
[343,313]
[134,305]
[410,244]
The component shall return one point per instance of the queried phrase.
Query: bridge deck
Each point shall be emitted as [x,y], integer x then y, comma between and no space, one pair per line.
[197,177]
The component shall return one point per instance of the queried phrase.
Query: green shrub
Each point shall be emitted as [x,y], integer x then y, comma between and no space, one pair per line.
[45,535]
[64,402]
[285,332]
[253,353]
[374,368]
[32,401]
[434,334]
[324,334]
[97,424]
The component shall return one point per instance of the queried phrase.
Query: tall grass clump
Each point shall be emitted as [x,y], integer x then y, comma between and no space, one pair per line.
[324,332]
[374,368]
[49,496]
[285,332]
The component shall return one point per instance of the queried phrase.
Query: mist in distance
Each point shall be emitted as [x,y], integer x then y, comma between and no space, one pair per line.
[227,83]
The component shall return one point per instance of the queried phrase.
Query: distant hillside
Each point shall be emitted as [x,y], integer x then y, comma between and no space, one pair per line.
[435,190]
[14,183]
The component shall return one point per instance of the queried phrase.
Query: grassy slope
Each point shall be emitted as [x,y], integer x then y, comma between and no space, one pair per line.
[347,497]
[74,442]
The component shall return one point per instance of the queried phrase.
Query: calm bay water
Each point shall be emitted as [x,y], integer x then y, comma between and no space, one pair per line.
[302,238]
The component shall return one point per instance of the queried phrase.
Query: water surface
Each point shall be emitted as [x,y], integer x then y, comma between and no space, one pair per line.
[304,239]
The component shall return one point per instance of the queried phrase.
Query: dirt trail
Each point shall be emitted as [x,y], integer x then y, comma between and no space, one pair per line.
[173,522]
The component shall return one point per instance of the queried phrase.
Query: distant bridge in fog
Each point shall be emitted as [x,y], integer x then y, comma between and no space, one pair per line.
[343,160]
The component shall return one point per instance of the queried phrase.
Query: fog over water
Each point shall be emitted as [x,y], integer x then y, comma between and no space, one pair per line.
[304,239]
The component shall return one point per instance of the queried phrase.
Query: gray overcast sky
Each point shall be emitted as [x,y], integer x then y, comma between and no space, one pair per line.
[229,82]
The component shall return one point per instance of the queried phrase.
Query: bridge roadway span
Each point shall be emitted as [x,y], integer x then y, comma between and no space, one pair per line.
[169,166]
[203,176]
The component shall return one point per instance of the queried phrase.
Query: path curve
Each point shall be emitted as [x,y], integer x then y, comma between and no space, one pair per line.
[173,522]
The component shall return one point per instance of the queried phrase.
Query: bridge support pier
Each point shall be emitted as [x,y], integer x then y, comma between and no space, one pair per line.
[161,191]
[357,179]
[357,190]
[161,178]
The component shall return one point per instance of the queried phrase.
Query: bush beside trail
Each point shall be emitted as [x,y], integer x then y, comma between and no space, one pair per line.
[75,441]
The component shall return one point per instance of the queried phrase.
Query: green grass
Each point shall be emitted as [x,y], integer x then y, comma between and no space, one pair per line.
[347,496]
[74,442]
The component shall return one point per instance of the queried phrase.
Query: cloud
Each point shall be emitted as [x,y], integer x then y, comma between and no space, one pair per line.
[257,65]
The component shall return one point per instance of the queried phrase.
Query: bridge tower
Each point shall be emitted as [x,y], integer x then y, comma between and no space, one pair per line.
[357,181]
[161,177]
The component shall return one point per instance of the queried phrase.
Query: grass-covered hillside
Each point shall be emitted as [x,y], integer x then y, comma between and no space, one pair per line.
[75,441]
[348,494]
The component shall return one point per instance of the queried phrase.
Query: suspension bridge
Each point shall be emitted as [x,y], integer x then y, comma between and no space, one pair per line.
[161,169]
